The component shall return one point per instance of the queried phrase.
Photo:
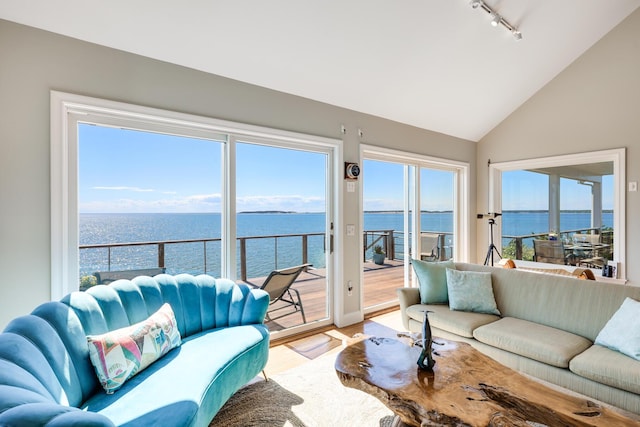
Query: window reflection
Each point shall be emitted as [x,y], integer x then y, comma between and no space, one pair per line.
[576,200]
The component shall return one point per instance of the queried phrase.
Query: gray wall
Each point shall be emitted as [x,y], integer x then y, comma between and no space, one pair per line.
[594,104]
[33,62]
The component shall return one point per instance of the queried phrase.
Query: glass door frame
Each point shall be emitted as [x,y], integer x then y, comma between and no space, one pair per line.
[69,109]
[412,164]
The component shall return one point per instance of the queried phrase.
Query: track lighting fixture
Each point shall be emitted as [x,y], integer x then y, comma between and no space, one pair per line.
[496,19]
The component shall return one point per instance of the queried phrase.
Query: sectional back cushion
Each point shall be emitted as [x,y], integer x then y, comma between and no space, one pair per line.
[120,354]
[471,291]
[556,301]
[433,280]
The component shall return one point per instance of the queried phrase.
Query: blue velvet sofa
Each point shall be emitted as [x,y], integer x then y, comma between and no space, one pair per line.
[47,379]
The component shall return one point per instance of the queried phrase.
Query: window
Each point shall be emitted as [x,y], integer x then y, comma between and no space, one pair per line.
[137,186]
[576,198]
[211,155]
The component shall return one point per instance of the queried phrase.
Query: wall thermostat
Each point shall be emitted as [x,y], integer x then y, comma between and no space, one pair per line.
[351,170]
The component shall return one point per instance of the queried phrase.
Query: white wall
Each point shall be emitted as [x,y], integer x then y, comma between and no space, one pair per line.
[594,104]
[33,62]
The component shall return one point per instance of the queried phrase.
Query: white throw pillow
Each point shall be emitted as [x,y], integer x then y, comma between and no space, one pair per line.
[622,331]
[471,291]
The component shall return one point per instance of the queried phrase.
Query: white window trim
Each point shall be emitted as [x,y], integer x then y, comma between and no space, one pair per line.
[617,156]
[461,224]
[66,108]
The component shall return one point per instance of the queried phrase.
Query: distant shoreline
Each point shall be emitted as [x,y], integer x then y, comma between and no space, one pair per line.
[366,212]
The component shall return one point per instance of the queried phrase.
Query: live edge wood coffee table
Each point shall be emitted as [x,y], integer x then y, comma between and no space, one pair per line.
[466,388]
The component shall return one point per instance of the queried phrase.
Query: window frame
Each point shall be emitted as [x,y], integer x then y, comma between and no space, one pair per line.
[69,109]
[617,156]
[461,223]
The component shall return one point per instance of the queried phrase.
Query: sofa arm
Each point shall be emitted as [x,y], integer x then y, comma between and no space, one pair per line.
[256,305]
[407,298]
[51,415]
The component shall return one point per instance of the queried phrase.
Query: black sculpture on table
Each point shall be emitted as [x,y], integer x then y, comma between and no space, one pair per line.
[427,344]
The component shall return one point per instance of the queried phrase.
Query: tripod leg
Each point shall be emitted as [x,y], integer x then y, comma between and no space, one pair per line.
[488,257]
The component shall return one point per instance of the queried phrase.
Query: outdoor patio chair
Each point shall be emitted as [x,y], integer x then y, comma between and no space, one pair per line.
[278,286]
[601,255]
[551,251]
[429,246]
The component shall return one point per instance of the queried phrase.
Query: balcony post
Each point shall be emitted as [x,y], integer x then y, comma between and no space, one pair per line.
[243,259]
[305,251]
[441,249]
[161,255]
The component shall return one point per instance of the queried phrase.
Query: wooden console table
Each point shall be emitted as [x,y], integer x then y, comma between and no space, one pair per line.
[466,388]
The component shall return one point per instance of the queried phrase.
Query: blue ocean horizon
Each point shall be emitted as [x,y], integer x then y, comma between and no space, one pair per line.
[263,255]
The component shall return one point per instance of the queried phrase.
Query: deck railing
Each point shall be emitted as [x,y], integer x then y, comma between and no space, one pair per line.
[242,248]
[156,252]
[520,239]
[392,239]
[389,239]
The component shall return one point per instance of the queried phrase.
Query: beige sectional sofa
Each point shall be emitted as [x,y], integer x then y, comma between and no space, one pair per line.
[547,328]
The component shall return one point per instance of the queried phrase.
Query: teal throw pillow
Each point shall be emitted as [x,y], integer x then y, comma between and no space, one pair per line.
[432,277]
[622,331]
[471,291]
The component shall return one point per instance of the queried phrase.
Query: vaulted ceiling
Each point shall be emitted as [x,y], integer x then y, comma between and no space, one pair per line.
[434,64]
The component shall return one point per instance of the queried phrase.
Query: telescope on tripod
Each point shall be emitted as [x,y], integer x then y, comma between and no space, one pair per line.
[492,248]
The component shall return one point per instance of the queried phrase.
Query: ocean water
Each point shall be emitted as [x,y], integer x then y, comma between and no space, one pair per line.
[262,254]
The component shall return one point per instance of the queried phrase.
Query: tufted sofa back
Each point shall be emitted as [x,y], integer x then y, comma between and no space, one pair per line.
[44,356]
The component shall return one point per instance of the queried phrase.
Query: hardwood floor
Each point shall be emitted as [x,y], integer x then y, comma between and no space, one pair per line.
[296,351]
[380,284]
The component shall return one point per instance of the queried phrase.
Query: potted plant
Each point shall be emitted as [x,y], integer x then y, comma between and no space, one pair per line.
[378,255]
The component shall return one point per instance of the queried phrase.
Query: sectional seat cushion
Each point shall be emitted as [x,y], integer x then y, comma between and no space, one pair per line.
[471,291]
[230,355]
[622,331]
[538,342]
[433,280]
[608,367]
[122,353]
[457,322]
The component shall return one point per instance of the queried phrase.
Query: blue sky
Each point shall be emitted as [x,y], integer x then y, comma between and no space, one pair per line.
[383,183]
[130,171]
[530,191]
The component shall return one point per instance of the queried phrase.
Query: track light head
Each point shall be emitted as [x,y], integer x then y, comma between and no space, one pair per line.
[496,19]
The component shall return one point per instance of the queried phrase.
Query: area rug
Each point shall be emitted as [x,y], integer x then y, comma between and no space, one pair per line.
[310,395]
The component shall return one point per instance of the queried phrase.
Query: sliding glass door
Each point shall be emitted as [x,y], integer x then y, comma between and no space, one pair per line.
[414,208]
[137,191]
[282,222]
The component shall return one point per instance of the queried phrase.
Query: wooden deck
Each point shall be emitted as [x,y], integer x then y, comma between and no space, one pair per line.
[380,284]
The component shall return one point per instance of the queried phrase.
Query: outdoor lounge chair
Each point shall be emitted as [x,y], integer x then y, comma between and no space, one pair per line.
[278,285]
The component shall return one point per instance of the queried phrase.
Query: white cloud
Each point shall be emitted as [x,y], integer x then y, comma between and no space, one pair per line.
[195,203]
[123,188]
[281,203]
[206,203]
[383,205]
